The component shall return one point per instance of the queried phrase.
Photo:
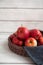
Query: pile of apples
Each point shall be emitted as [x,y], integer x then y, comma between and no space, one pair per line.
[25,37]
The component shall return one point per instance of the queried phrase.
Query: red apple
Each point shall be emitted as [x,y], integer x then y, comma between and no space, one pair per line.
[20,43]
[22,33]
[11,36]
[31,42]
[35,33]
[40,41]
[16,41]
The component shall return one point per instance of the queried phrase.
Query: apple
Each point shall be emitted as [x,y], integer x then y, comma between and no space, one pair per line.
[31,42]
[20,43]
[22,33]
[40,41]
[35,33]
[11,36]
[16,41]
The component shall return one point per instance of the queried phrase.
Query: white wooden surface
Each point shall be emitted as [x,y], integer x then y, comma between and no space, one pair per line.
[21,3]
[21,14]
[13,13]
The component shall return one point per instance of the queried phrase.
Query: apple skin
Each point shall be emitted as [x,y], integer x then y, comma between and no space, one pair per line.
[35,33]
[31,42]
[40,41]
[16,41]
[12,36]
[22,33]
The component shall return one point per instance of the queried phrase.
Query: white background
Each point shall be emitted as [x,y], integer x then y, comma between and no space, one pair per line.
[13,13]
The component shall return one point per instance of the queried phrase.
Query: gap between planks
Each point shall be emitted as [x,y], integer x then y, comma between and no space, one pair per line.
[18,8]
[17,63]
[21,20]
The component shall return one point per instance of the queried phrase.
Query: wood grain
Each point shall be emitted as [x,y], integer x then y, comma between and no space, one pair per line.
[16,64]
[21,14]
[21,3]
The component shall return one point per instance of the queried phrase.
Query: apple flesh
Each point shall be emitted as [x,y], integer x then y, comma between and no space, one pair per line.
[22,33]
[40,41]
[35,33]
[31,42]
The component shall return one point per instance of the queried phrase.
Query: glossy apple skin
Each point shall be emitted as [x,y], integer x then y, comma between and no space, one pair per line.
[16,41]
[31,42]
[12,36]
[40,41]
[35,33]
[22,33]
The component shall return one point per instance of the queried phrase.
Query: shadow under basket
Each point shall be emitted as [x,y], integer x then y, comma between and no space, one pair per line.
[17,49]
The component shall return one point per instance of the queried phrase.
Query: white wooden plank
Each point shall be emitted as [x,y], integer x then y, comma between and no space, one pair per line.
[21,14]
[13,26]
[22,3]
[13,58]
[17,64]
[4,36]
